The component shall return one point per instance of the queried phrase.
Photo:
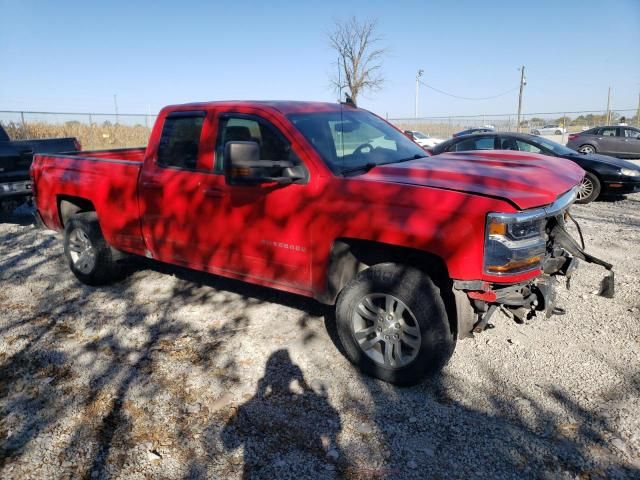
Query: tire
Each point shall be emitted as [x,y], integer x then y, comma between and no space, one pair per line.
[425,337]
[536,132]
[589,189]
[89,256]
[587,148]
[558,132]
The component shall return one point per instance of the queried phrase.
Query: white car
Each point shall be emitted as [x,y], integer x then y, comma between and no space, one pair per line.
[423,139]
[549,130]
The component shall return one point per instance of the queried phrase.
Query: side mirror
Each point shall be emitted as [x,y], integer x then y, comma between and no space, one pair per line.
[244,167]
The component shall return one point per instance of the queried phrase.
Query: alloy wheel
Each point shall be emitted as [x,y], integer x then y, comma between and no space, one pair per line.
[585,189]
[81,251]
[587,149]
[386,330]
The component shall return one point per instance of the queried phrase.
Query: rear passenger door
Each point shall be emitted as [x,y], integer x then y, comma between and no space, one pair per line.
[170,193]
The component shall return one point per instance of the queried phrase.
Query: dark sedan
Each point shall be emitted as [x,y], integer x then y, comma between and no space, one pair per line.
[604,175]
[617,141]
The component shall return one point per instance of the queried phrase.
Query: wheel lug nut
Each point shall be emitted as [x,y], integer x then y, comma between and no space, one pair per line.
[397,325]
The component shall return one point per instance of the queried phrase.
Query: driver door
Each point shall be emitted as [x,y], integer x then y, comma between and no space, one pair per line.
[260,231]
[631,143]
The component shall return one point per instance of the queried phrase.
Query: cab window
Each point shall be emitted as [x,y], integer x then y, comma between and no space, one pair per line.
[631,133]
[180,140]
[245,128]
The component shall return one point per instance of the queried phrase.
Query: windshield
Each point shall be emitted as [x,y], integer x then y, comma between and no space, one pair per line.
[349,139]
[553,146]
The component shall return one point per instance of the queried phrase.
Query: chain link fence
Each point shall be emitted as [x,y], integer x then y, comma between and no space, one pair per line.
[93,130]
[445,127]
[106,130]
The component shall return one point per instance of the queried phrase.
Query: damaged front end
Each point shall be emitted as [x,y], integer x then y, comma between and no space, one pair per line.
[523,242]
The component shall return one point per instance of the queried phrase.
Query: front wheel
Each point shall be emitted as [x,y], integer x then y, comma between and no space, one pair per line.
[558,132]
[588,189]
[536,132]
[89,256]
[393,324]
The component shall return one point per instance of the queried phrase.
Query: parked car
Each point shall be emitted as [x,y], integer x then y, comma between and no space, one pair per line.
[552,129]
[415,252]
[474,130]
[15,160]
[423,139]
[617,141]
[604,175]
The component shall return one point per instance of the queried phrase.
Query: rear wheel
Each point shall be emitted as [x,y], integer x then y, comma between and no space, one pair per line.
[588,189]
[558,132]
[89,256]
[393,324]
[587,149]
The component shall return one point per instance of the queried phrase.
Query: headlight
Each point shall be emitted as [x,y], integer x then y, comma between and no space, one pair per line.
[514,243]
[629,172]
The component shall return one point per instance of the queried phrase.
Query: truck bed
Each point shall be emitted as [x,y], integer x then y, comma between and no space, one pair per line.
[108,179]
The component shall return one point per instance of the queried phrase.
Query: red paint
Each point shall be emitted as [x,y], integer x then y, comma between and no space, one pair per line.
[489,296]
[281,236]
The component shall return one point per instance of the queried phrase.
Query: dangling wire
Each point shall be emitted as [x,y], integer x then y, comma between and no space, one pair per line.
[468,98]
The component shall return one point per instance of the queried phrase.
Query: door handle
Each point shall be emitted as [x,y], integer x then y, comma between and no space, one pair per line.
[214,192]
[152,185]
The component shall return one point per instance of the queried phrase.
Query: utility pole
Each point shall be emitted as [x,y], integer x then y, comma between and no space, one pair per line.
[115,103]
[418,75]
[523,82]
[609,106]
[638,112]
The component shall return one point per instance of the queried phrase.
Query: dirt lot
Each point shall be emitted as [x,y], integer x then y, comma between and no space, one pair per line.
[174,374]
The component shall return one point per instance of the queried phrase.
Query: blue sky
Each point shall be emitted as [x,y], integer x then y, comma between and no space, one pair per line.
[73,56]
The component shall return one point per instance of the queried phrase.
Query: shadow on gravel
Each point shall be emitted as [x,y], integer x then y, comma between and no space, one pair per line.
[285,422]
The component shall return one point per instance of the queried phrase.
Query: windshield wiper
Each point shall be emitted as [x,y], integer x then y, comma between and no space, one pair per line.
[365,167]
[413,157]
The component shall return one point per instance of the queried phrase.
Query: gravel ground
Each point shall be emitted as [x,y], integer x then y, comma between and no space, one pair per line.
[175,374]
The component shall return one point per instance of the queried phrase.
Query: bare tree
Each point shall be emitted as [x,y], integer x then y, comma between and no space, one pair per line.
[360,60]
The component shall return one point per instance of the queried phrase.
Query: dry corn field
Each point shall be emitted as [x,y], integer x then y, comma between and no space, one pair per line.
[92,137]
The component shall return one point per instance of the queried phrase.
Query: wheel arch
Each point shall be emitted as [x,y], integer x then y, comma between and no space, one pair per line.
[349,256]
[69,205]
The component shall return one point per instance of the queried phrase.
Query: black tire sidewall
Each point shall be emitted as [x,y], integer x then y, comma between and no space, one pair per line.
[421,295]
[104,268]
[597,188]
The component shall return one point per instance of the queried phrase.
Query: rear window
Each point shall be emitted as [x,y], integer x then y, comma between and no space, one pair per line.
[480,143]
[180,140]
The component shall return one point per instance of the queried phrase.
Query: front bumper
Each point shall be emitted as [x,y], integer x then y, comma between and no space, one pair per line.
[523,301]
[622,187]
[22,188]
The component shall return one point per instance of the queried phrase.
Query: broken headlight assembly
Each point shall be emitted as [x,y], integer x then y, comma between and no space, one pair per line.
[514,242]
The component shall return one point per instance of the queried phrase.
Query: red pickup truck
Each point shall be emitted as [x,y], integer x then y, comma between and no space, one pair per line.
[331,202]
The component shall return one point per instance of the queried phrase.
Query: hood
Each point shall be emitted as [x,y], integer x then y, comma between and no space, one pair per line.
[527,180]
[613,161]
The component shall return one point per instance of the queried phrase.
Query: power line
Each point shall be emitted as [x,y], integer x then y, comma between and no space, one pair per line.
[468,98]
